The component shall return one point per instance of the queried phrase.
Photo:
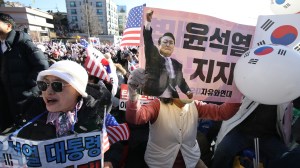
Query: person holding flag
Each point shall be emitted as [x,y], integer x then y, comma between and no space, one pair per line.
[65,108]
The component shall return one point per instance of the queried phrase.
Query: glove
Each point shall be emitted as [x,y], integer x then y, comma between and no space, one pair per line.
[135,81]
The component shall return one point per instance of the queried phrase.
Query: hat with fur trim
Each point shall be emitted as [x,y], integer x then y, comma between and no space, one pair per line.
[71,72]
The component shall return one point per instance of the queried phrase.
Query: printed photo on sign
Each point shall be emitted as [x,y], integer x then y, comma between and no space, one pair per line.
[205,50]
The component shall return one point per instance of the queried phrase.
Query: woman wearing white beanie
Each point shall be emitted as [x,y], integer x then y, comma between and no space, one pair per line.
[69,109]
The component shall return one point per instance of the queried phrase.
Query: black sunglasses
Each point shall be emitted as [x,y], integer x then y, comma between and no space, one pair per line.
[56,85]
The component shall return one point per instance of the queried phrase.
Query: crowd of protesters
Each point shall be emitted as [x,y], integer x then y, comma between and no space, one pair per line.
[45,65]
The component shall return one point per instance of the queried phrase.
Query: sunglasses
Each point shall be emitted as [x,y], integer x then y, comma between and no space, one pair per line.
[56,85]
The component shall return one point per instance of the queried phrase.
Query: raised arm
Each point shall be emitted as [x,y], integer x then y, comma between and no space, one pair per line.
[217,112]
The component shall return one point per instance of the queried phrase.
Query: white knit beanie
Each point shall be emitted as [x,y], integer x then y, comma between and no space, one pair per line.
[71,72]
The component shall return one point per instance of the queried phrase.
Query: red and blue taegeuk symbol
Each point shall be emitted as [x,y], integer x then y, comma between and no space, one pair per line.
[279,2]
[262,51]
[284,35]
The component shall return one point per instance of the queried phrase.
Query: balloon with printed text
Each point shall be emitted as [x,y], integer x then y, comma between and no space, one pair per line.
[269,74]
[285,6]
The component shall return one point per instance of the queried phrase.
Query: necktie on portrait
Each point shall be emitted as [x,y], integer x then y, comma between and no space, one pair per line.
[169,67]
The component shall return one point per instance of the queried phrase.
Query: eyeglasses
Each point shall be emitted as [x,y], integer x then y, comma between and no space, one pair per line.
[56,85]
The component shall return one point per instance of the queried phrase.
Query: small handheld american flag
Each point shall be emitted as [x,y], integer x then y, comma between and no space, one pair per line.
[94,63]
[116,132]
[104,140]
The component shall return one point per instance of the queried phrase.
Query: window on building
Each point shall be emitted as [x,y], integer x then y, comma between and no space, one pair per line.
[99,12]
[98,4]
[72,4]
[74,19]
[73,11]
[44,34]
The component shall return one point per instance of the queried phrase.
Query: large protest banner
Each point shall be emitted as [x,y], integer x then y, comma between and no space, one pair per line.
[208,49]
[71,151]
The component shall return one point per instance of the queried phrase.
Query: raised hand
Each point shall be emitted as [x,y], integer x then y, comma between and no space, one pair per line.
[149,15]
[135,81]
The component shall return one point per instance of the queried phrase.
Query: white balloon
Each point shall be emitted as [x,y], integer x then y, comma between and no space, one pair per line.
[285,6]
[269,74]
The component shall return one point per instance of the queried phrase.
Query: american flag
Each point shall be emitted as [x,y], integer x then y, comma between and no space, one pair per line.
[105,140]
[111,120]
[132,32]
[94,65]
[94,62]
[116,132]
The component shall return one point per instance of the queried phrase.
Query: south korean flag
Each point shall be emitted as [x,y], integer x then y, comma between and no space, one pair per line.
[278,30]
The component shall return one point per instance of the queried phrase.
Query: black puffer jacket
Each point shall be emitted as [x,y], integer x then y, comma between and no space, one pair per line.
[90,118]
[19,67]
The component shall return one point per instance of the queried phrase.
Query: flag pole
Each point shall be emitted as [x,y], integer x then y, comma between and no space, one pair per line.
[102,139]
[102,154]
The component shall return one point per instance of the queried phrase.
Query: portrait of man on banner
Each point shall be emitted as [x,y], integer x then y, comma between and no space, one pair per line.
[191,56]
[163,73]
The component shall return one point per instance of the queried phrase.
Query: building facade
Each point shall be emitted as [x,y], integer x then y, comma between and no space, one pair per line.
[84,14]
[122,18]
[33,21]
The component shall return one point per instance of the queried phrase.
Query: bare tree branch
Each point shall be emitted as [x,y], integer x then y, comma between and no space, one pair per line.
[94,25]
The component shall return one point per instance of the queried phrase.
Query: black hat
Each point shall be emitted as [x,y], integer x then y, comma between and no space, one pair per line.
[7,19]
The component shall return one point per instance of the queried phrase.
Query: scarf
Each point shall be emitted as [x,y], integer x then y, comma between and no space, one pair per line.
[64,121]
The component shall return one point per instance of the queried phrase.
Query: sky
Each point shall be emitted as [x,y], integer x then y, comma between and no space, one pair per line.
[238,11]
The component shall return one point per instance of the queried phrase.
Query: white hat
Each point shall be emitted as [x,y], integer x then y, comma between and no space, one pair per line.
[71,72]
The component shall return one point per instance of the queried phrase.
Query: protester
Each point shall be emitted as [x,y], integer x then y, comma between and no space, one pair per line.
[20,62]
[173,124]
[163,73]
[271,124]
[66,108]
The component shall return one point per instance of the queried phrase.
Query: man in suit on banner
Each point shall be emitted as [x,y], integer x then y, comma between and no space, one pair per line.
[163,73]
